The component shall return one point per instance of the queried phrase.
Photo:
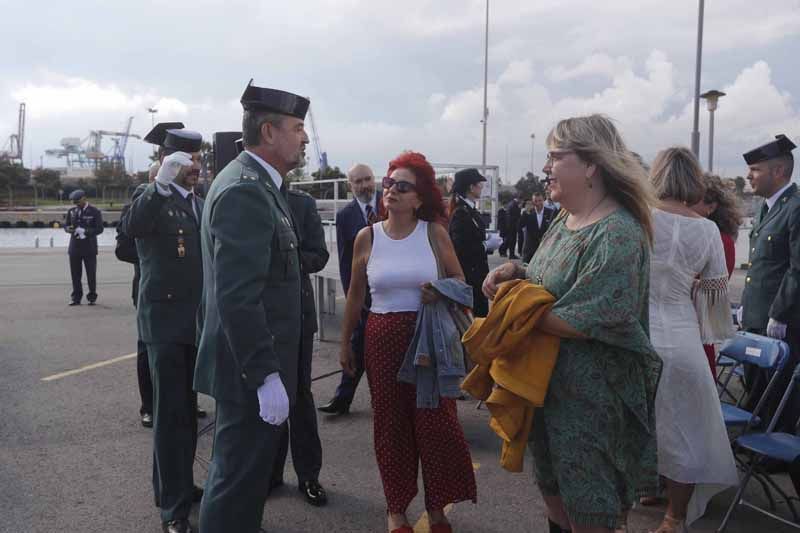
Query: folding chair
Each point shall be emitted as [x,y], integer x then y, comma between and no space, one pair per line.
[757,351]
[761,447]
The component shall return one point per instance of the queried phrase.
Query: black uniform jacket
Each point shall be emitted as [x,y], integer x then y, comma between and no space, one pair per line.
[171,283]
[313,252]
[250,315]
[89,219]
[468,232]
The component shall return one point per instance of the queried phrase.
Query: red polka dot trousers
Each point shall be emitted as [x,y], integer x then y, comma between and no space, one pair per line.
[406,436]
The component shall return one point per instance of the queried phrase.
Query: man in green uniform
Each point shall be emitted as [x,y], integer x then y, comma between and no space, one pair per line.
[251,311]
[165,220]
[771,297]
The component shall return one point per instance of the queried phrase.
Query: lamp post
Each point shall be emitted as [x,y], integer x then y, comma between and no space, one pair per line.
[152,111]
[533,147]
[485,87]
[698,61]
[711,98]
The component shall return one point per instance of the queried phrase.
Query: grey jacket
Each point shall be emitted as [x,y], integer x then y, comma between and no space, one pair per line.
[434,361]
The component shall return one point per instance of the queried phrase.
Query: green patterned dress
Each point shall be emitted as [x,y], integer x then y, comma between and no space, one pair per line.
[593,442]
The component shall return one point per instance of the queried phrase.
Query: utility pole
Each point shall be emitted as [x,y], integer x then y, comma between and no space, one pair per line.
[698,62]
[485,87]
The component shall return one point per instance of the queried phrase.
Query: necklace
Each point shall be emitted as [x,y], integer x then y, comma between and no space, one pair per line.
[564,243]
[584,219]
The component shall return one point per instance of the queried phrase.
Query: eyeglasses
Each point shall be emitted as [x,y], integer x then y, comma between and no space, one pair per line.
[557,155]
[399,186]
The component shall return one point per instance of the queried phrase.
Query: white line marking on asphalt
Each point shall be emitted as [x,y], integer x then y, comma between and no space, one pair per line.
[89,367]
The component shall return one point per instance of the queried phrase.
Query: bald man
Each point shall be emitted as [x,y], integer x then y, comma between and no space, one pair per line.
[364,209]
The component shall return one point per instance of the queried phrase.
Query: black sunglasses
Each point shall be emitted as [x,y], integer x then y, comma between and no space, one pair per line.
[399,186]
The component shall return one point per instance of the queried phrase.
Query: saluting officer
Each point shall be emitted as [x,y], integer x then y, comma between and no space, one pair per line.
[771,297]
[251,309]
[84,223]
[165,220]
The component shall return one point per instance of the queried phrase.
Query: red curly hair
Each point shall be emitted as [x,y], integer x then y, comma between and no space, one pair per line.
[432,208]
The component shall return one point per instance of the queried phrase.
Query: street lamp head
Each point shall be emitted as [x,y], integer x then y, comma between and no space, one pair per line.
[711,98]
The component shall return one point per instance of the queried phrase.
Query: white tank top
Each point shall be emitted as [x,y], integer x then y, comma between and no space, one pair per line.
[397,269]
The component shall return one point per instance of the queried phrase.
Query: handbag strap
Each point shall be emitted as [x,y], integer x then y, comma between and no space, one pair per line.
[436,253]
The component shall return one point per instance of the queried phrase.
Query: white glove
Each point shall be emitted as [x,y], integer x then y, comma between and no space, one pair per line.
[273,402]
[739,314]
[775,329]
[171,166]
[493,242]
[80,231]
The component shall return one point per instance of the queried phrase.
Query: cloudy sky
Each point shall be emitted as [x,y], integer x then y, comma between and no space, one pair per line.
[385,76]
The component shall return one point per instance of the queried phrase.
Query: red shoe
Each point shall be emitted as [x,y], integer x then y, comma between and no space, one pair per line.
[441,527]
[404,529]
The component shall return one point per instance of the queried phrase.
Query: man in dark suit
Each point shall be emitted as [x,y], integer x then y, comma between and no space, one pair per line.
[305,442]
[364,209]
[535,223]
[165,220]
[771,296]
[251,314]
[84,223]
[513,214]
[502,230]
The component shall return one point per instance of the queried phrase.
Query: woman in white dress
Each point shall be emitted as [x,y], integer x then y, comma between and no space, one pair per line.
[688,307]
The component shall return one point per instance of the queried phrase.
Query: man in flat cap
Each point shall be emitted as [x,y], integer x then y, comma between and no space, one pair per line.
[251,309]
[84,223]
[165,220]
[771,297]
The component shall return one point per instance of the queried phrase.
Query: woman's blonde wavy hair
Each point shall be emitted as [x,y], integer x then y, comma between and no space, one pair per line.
[595,140]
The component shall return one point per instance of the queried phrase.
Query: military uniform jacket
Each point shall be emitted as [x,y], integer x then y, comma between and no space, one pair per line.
[170,264]
[251,309]
[468,232]
[313,252]
[772,285]
[89,219]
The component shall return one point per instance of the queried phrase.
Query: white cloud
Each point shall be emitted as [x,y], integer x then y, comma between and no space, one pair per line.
[595,64]
[518,72]
[60,96]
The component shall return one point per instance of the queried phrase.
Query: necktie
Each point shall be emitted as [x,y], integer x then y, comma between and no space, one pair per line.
[371,216]
[190,203]
[764,211]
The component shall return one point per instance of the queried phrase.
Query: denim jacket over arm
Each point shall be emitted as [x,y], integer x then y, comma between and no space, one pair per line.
[434,361]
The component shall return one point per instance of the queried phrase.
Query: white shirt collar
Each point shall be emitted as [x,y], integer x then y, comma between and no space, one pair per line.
[184,192]
[274,174]
[468,201]
[774,198]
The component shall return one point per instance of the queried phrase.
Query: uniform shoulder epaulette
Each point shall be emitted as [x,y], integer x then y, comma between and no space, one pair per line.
[248,175]
[297,192]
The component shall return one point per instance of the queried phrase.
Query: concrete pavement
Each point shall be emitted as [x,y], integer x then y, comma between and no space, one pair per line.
[74,457]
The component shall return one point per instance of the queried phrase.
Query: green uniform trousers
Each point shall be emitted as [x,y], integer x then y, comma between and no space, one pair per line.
[238,480]
[174,427]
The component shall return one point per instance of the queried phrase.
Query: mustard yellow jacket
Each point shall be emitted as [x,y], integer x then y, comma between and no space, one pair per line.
[516,357]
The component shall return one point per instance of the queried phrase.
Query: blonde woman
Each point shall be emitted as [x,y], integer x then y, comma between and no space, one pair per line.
[688,307]
[594,439]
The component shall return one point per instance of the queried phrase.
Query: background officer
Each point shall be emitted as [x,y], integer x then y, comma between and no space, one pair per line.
[771,297]
[305,442]
[84,223]
[165,220]
[251,309]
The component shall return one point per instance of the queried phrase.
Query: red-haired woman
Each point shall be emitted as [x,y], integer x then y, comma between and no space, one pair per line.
[395,259]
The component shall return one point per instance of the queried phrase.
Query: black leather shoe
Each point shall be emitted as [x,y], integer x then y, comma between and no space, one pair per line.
[73,302]
[91,303]
[177,526]
[337,406]
[147,420]
[201,413]
[314,493]
[274,484]
[197,494]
